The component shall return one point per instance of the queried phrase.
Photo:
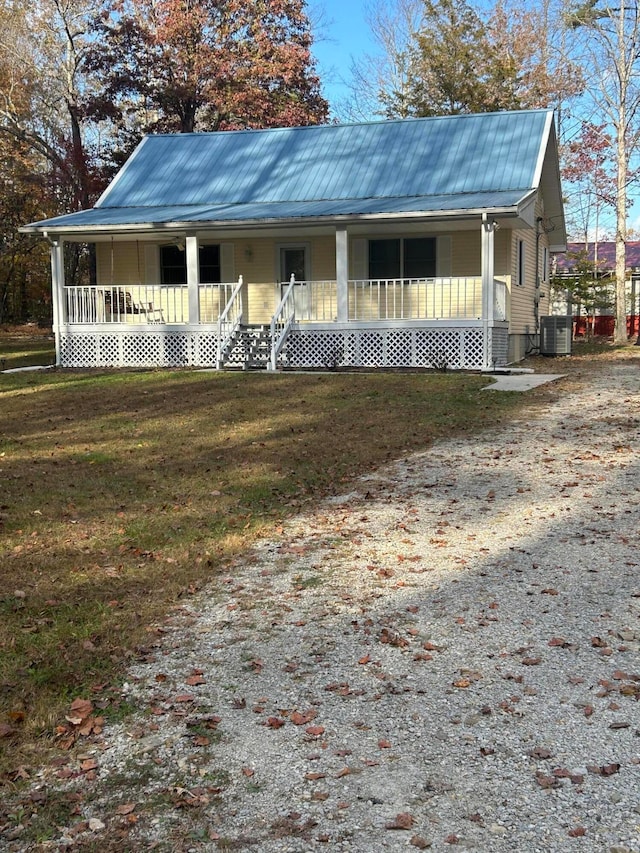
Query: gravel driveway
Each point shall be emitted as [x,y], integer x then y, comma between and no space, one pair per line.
[447,658]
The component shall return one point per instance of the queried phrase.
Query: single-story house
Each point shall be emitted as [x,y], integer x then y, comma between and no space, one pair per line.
[409,243]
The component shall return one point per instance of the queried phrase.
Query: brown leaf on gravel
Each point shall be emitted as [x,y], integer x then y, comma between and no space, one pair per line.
[603,770]
[299,719]
[401,821]
[384,744]
[541,752]
[578,832]
[125,808]
[420,842]
[598,642]
[452,839]
[274,723]
[315,731]
[531,661]
[346,771]
[194,680]
[239,704]
[313,777]
[248,771]
[547,781]
[559,642]
[549,591]
[365,659]
[184,698]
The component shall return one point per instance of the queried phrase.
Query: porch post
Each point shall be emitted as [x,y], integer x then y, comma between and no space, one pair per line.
[57,293]
[488,287]
[193,278]
[342,273]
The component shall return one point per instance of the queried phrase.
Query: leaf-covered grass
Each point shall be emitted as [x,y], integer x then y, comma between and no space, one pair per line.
[124,491]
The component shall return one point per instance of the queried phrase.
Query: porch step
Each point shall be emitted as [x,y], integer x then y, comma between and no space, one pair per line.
[250,348]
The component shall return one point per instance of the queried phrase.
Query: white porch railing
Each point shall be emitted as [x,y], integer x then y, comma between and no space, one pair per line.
[316,301]
[281,322]
[139,303]
[229,321]
[214,300]
[416,299]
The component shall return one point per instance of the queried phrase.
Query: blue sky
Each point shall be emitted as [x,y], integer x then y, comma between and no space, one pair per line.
[343,34]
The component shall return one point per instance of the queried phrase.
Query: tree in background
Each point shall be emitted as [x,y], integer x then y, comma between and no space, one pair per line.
[190,65]
[443,58]
[610,42]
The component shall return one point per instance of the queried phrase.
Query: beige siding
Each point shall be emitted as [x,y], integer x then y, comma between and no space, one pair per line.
[522,297]
[122,263]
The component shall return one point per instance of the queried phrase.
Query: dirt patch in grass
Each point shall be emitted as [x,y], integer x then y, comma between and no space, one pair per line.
[124,492]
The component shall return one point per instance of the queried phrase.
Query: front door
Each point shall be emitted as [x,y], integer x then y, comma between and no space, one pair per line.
[294,261]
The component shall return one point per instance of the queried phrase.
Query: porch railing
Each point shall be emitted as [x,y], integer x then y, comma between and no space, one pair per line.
[316,301]
[416,299]
[139,303]
[281,322]
[229,322]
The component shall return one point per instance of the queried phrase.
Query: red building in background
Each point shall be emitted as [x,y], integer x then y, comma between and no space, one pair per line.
[600,319]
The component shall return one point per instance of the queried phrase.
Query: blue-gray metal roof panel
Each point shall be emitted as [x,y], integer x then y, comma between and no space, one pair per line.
[420,157]
[120,217]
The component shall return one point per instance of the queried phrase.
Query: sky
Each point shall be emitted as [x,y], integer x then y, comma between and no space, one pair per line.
[342,34]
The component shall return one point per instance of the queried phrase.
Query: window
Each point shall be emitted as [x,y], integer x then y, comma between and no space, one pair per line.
[545,264]
[520,274]
[173,264]
[209,260]
[402,258]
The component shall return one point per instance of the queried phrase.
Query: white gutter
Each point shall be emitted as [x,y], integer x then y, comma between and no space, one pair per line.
[237,224]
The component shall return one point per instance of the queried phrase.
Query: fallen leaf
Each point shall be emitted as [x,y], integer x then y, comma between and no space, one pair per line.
[274,723]
[299,719]
[248,771]
[401,821]
[125,808]
[578,832]
[195,680]
[365,659]
[420,842]
[315,731]
[384,744]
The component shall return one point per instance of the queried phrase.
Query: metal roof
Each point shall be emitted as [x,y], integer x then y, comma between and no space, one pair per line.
[606,256]
[448,163]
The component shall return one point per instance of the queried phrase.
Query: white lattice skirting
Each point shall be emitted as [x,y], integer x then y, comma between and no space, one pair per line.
[455,348]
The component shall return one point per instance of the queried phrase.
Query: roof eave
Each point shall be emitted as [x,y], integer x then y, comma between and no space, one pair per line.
[342,219]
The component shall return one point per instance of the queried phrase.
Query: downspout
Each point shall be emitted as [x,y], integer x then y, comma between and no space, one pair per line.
[536,297]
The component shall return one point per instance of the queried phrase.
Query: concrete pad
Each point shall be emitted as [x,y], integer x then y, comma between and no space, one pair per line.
[521,381]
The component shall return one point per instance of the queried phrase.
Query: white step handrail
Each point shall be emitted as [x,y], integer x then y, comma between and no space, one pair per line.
[282,319]
[226,326]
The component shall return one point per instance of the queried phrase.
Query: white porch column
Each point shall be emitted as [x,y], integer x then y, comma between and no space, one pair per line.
[57,293]
[488,286]
[342,272]
[193,278]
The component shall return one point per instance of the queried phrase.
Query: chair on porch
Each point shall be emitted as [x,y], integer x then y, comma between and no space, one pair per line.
[121,303]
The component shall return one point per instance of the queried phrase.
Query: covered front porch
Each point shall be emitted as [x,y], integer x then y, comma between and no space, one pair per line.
[458,321]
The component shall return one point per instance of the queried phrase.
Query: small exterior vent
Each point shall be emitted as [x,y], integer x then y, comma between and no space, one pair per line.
[555,335]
